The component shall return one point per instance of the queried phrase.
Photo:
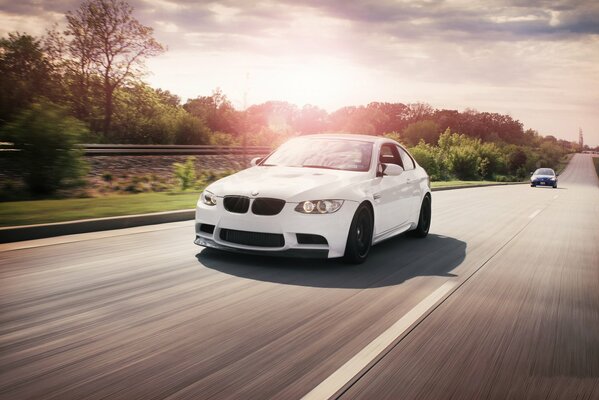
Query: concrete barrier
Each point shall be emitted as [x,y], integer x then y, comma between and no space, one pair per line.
[31,232]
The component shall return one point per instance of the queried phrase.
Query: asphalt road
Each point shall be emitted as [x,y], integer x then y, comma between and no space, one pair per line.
[143,313]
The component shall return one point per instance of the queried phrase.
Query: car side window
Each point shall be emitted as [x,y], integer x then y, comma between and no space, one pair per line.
[390,155]
[408,163]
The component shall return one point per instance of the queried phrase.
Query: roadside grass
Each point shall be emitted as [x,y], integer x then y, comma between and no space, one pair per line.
[563,163]
[596,162]
[441,184]
[31,212]
[45,211]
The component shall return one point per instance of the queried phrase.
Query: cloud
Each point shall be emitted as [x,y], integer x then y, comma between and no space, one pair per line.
[500,55]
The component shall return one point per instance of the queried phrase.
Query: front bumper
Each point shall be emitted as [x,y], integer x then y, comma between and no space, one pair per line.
[288,223]
[295,253]
[543,182]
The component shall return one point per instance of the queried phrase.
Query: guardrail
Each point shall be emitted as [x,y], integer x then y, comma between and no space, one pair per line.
[158,150]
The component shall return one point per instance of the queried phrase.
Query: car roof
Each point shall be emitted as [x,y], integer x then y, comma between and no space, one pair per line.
[349,136]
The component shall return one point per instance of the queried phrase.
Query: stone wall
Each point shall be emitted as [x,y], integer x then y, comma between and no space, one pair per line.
[161,165]
[111,174]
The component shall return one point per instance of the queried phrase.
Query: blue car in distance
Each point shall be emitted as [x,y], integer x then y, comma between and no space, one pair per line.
[544,177]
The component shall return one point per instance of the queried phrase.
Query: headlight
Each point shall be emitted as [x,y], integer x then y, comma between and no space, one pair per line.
[319,206]
[552,178]
[208,198]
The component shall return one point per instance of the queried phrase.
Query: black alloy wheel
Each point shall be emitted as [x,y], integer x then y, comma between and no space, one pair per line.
[424,220]
[359,238]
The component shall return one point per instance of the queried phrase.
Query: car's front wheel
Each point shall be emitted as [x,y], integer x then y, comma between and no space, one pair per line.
[424,219]
[359,238]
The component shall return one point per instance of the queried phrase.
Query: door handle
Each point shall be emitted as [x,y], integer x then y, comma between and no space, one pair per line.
[376,196]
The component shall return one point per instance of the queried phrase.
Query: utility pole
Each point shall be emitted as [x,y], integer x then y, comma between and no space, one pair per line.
[244,123]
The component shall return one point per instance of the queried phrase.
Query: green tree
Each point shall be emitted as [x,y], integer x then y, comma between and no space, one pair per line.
[25,73]
[47,140]
[191,130]
[517,159]
[310,119]
[550,154]
[425,130]
[216,111]
[146,115]
[105,39]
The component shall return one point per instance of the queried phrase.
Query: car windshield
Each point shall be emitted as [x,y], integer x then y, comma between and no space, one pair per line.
[544,171]
[328,153]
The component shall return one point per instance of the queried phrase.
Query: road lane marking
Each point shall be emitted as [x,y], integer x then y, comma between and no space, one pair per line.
[556,196]
[534,214]
[352,370]
[335,382]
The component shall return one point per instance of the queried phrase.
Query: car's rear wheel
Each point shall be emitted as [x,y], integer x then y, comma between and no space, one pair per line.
[424,220]
[359,238]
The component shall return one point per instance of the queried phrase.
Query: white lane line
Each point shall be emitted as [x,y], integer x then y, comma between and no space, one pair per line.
[534,214]
[327,388]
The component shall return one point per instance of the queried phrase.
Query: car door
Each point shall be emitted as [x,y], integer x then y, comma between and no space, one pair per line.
[413,184]
[391,194]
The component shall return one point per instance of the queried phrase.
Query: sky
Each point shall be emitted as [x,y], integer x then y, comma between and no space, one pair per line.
[537,60]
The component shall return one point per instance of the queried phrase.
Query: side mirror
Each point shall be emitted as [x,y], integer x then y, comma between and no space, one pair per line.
[392,169]
[556,174]
[255,161]
[532,173]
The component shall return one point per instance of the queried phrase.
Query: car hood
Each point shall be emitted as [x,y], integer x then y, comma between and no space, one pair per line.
[292,184]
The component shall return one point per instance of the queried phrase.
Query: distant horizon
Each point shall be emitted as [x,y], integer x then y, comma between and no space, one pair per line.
[332,109]
[537,64]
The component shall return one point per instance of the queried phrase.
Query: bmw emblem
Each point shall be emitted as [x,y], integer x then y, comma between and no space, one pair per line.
[255,192]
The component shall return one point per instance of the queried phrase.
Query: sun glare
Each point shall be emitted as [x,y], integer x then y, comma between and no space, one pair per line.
[322,84]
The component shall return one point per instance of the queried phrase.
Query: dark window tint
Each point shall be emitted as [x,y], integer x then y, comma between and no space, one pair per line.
[390,155]
[544,171]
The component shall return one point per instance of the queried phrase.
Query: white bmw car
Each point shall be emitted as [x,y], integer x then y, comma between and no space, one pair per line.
[327,195]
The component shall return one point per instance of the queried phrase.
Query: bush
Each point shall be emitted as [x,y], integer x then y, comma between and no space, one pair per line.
[492,160]
[224,139]
[464,162]
[426,155]
[47,142]
[185,173]
[107,177]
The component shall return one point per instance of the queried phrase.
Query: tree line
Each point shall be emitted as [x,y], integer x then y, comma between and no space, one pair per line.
[90,74]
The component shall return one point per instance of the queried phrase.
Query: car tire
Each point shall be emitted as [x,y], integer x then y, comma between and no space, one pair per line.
[424,219]
[555,186]
[532,185]
[359,237]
